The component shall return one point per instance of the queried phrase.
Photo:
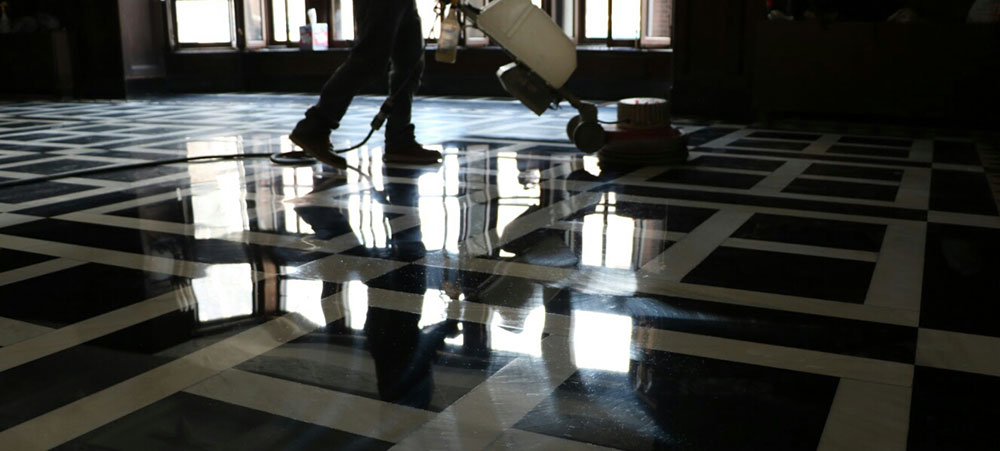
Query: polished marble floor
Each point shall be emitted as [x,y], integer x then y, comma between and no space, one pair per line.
[798,286]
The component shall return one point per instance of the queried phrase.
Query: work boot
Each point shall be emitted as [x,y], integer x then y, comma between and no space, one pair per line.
[403,148]
[313,136]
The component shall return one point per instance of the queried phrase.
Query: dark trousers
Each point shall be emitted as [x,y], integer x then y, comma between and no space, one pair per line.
[388,33]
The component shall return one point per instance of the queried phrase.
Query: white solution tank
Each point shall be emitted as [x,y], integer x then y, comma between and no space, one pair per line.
[532,37]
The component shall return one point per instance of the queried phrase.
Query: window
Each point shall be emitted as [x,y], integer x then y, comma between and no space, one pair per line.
[287,16]
[204,22]
[257,23]
[625,22]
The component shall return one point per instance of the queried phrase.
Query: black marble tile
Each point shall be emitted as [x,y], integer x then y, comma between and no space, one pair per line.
[962,192]
[708,178]
[135,175]
[89,139]
[674,401]
[155,131]
[88,202]
[11,259]
[961,265]
[186,421]
[956,152]
[859,172]
[877,141]
[545,150]
[761,325]
[766,201]
[736,163]
[785,135]
[44,384]
[813,232]
[707,134]
[872,151]
[767,144]
[412,364]
[566,249]
[178,210]
[774,272]
[668,217]
[953,410]
[57,166]
[104,128]
[31,136]
[832,188]
[182,247]
[482,288]
[819,157]
[7,159]
[64,297]
[40,190]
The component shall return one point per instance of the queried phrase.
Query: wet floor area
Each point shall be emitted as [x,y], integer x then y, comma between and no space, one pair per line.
[810,287]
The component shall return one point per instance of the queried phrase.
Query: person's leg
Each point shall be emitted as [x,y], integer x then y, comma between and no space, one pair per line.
[377,25]
[407,63]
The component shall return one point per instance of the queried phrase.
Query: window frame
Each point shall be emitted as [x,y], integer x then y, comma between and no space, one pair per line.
[239,23]
[174,36]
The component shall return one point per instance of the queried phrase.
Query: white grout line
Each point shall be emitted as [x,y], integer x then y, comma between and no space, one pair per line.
[947,217]
[922,150]
[897,281]
[482,415]
[766,210]
[801,249]
[849,180]
[959,352]
[77,418]
[867,416]
[821,145]
[516,439]
[678,260]
[332,409]
[915,189]
[13,331]
[89,329]
[38,269]
[768,194]
[780,178]
[621,283]
[129,260]
[795,359]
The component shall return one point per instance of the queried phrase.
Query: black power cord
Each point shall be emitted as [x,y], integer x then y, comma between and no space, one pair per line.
[293,158]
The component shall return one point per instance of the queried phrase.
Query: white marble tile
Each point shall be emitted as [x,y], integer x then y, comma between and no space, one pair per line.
[795,359]
[13,331]
[897,281]
[515,439]
[957,351]
[867,416]
[77,418]
[81,332]
[481,416]
[678,260]
[315,405]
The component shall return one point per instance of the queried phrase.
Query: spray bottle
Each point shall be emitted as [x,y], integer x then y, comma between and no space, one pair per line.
[4,21]
[447,51]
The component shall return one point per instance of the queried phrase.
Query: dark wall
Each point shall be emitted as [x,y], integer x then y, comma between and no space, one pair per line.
[110,45]
[600,74]
[730,61]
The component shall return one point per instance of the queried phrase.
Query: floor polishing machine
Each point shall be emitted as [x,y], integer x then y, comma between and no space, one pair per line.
[544,59]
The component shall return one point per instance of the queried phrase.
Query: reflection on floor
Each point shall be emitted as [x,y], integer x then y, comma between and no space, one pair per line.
[824,287]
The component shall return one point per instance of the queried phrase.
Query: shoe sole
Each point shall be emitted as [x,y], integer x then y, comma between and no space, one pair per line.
[329,159]
[420,161]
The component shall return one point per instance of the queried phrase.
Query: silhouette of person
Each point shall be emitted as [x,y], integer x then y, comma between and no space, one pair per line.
[388,31]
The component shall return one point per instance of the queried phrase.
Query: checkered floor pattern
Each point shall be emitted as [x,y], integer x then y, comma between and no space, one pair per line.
[806,286]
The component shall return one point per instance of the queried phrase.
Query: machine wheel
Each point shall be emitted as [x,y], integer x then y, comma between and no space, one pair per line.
[571,126]
[589,137]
